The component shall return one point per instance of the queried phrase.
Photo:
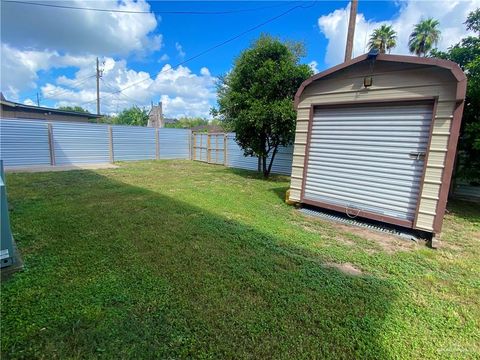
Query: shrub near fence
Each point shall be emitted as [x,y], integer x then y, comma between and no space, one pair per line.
[38,142]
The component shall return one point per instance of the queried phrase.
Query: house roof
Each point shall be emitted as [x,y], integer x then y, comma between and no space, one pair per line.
[42,109]
[446,64]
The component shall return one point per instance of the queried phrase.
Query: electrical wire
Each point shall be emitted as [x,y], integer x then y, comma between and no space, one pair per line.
[161,12]
[217,45]
[74,84]
[121,93]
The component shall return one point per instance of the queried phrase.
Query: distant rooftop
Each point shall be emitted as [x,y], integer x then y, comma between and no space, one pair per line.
[41,109]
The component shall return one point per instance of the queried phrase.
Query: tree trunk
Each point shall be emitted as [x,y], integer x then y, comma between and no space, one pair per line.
[264,166]
[266,173]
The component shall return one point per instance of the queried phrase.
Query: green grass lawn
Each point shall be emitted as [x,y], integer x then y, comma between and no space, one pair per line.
[178,259]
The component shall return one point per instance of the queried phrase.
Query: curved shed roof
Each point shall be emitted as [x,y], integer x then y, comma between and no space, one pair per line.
[446,64]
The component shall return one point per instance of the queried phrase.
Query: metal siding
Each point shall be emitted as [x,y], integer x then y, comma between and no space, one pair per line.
[236,158]
[174,143]
[133,142]
[359,158]
[80,143]
[24,142]
[282,164]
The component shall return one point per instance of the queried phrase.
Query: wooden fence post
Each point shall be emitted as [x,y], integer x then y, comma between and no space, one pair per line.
[157,144]
[190,146]
[225,142]
[209,149]
[51,144]
[194,146]
[110,144]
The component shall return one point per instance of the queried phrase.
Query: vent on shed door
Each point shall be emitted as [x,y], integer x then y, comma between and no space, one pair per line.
[368,158]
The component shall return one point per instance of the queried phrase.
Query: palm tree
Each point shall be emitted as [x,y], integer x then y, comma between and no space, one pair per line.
[383,38]
[424,35]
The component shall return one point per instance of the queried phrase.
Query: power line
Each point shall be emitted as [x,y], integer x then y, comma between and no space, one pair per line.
[55,92]
[217,45]
[174,12]
[123,94]
[77,82]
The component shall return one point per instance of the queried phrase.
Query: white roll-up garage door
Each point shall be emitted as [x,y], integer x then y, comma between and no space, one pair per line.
[368,158]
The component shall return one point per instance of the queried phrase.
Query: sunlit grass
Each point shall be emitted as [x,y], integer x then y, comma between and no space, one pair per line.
[173,259]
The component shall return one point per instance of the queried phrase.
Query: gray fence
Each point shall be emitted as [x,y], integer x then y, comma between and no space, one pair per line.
[38,142]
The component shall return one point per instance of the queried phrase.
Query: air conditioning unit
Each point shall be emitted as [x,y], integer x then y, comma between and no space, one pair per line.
[6,239]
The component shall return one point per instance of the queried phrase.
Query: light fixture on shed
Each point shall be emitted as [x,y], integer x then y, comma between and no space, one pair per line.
[367,81]
[371,56]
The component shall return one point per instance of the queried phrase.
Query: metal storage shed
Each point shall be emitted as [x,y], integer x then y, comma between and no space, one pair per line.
[376,138]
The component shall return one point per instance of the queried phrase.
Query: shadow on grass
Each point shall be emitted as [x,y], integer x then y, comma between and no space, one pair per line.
[280,192]
[118,271]
[466,210]
[249,174]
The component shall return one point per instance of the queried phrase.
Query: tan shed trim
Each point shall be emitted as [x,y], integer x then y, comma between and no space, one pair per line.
[447,64]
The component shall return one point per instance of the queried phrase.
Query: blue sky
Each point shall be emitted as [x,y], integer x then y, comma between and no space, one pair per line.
[52,51]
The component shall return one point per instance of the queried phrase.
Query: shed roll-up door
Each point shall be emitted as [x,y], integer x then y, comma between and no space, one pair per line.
[368,158]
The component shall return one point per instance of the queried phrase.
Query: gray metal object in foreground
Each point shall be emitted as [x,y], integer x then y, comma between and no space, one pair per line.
[363,223]
[7,251]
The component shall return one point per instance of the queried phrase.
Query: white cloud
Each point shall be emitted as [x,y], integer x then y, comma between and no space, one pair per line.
[29,102]
[81,31]
[164,58]
[314,66]
[451,14]
[182,92]
[19,69]
[181,53]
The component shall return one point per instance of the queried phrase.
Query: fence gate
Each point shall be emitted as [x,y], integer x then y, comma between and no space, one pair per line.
[209,148]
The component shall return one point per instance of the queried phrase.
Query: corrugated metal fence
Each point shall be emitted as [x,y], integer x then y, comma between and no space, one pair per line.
[38,142]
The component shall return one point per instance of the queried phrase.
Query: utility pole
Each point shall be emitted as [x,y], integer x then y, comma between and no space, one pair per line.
[98,88]
[351,29]
[38,100]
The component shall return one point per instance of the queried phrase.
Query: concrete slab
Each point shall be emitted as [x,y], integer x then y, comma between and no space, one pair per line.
[46,168]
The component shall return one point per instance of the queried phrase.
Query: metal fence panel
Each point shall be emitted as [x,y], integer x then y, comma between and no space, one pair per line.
[235,157]
[133,143]
[24,142]
[174,143]
[282,164]
[80,143]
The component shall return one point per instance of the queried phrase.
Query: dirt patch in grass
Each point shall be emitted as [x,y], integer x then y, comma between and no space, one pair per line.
[345,234]
[346,268]
[388,243]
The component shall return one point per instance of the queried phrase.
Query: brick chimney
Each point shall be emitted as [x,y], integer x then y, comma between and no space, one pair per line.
[155,116]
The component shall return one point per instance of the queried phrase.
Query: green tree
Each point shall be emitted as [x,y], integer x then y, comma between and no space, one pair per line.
[131,116]
[467,54]
[256,98]
[383,38]
[424,36]
[473,21]
[187,122]
[75,109]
